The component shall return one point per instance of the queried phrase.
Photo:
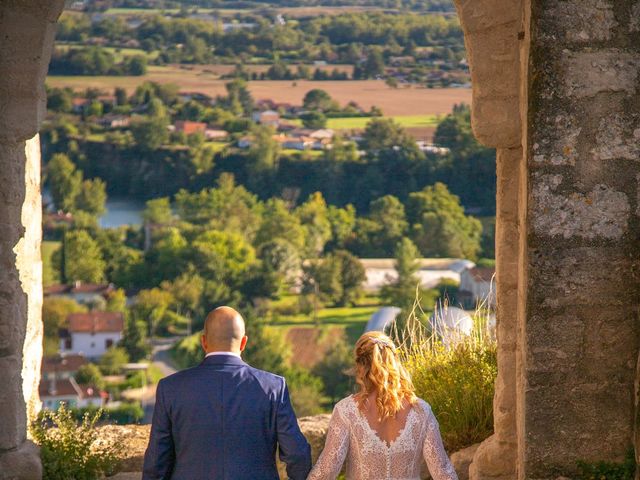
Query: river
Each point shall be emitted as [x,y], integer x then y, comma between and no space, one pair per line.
[122,211]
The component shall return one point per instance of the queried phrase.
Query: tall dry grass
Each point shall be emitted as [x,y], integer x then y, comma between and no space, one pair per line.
[455,373]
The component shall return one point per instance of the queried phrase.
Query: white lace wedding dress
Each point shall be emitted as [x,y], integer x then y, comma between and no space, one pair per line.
[368,457]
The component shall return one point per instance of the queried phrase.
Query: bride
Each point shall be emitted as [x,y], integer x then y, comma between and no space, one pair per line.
[383,431]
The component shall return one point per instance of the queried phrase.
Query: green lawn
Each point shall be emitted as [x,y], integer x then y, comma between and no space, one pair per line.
[358,123]
[217,146]
[119,53]
[352,319]
[49,275]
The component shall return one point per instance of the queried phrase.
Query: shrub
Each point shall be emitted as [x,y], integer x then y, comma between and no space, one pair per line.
[123,414]
[70,451]
[609,471]
[456,376]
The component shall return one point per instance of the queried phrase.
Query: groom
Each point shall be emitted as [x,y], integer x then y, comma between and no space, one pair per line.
[224,419]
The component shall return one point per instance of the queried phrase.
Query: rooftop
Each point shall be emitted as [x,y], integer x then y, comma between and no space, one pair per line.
[95,322]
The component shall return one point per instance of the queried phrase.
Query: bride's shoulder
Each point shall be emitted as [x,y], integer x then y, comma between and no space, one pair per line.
[423,407]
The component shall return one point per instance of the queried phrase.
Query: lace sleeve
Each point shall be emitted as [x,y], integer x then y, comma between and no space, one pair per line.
[433,450]
[335,449]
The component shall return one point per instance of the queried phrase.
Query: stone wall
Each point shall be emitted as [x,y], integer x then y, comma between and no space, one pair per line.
[27,34]
[580,328]
[568,226]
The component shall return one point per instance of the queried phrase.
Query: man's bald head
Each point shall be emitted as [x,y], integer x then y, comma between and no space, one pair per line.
[224,331]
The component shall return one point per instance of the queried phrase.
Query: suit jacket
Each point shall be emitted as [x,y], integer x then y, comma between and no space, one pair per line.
[223,420]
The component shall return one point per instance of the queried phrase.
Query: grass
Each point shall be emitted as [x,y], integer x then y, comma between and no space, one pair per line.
[119,53]
[455,374]
[407,121]
[50,276]
[217,146]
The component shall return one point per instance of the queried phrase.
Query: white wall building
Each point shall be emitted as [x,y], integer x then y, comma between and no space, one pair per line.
[91,334]
[381,271]
[54,392]
[478,285]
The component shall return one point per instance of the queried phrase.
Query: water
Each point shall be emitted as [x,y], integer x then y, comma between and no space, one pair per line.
[122,212]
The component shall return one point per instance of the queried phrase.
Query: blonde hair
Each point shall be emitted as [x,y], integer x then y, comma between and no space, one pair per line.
[379,370]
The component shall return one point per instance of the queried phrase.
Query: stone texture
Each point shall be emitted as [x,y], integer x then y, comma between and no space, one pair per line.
[21,464]
[618,137]
[560,147]
[591,20]
[136,437]
[462,459]
[27,32]
[588,73]
[491,39]
[602,212]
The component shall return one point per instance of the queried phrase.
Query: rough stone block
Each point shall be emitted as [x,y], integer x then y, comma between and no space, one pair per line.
[21,464]
[602,212]
[588,73]
[634,22]
[618,136]
[462,459]
[579,21]
[478,15]
[559,145]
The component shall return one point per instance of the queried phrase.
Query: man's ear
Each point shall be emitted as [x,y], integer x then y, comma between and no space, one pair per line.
[203,342]
[243,343]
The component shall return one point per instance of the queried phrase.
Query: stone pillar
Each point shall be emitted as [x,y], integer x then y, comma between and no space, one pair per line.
[491,29]
[580,331]
[26,29]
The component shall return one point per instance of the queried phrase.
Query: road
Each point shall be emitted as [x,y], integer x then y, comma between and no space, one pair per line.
[161,358]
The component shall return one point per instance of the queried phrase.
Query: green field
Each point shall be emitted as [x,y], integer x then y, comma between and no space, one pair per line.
[118,53]
[407,121]
[49,275]
[359,123]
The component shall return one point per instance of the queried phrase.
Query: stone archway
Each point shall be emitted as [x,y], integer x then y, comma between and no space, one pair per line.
[557,92]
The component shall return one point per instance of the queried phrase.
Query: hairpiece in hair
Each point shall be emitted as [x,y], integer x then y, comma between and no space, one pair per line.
[382,342]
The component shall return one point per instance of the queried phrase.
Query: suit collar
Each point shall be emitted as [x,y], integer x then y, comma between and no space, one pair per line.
[223,360]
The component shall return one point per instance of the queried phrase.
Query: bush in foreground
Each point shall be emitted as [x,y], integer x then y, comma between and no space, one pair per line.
[457,378]
[69,450]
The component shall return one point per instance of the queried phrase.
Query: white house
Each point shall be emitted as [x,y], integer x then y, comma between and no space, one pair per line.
[91,334]
[477,285]
[381,271]
[80,292]
[53,392]
[268,117]
[61,367]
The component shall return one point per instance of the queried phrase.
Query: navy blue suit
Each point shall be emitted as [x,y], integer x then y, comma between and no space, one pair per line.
[223,420]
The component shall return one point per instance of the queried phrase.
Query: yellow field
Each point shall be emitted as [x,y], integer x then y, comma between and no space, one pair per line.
[366,93]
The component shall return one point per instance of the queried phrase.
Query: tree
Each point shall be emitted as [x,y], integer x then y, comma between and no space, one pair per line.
[343,221]
[391,82]
[338,278]
[402,292]
[60,100]
[116,301]
[187,290]
[92,197]
[342,151]
[439,226]
[112,361]
[157,211]
[317,100]
[279,223]
[382,134]
[314,119]
[121,96]
[264,151]
[134,339]
[150,133]
[64,181]
[82,258]
[151,306]
[222,256]
[374,66]
[90,374]
[239,99]
[136,65]
[333,370]
[281,256]
[313,215]
[388,215]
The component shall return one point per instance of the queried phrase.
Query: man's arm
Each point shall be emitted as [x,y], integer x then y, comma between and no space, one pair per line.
[160,455]
[295,451]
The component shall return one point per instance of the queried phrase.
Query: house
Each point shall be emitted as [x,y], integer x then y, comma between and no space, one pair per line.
[91,334]
[316,134]
[215,134]
[382,271]
[78,105]
[61,367]
[431,148]
[477,286]
[54,392]
[196,96]
[268,117]
[245,142]
[80,292]
[189,128]
[114,121]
